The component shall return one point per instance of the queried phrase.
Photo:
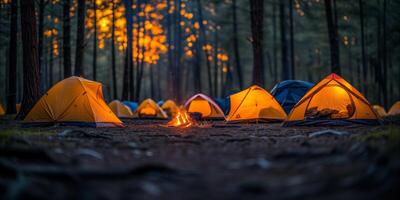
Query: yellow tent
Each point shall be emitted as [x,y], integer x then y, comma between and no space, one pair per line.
[119,109]
[170,107]
[254,103]
[379,110]
[395,109]
[74,101]
[204,105]
[2,111]
[332,101]
[149,109]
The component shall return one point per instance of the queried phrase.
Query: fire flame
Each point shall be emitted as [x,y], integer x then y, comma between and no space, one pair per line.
[181,119]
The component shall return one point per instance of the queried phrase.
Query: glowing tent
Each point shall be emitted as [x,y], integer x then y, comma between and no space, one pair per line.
[379,110]
[333,101]
[289,92]
[119,109]
[170,107]
[395,109]
[18,107]
[149,109]
[253,104]
[205,106]
[2,111]
[73,101]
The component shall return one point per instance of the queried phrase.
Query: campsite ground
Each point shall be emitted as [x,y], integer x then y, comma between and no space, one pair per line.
[239,161]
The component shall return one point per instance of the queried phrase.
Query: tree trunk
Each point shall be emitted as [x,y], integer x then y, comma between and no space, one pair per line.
[363,54]
[42,5]
[113,65]
[292,54]
[333,38]
[274,45]
[257,16]
[178,51]
[128,60]
[384,56]
[197,70]
[216,71]
[67,39]
[51,64]
[204,38]
[236,45]
[284,55]
[30,57]
[94,63]
[12,59]
[80,39]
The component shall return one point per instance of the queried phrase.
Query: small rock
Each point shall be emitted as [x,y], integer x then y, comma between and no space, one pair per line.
[91,153]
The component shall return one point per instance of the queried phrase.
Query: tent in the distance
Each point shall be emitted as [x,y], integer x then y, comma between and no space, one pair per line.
[119,109]
[333,101]
[170,107]
[73,101]
[205,106]
[149,109]
[160,103]
[132,105]
[289,92]
[379,110]
[395,109]
[2,111]
[223,103]
[18,107]
[254,104]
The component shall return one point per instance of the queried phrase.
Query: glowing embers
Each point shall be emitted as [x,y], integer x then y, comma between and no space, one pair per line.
[181,119]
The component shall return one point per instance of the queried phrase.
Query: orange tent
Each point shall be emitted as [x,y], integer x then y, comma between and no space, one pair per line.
[395,109]
[18,107]
[149,109]
[379,110]
[119,109]
[204,105]
[333,101]
[2,111]
[254,103]
[170,107]
[74,101]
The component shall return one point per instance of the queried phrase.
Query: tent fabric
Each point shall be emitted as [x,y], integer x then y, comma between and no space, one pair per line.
[333,98]
[18,107]
[119,109]
[160,103]
[132,105]
[2,111]
[289,92]
[223,103]
[75,101]
[379,110]
[395,109]
[201,103]
[253,104]
[170,107]
[149,109]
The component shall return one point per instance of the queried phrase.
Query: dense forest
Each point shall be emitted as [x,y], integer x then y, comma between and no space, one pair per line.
[174,48]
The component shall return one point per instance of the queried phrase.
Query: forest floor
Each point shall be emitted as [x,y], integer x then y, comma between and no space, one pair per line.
[221,161]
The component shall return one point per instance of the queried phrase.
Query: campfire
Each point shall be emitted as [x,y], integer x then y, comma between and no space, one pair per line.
[181,119]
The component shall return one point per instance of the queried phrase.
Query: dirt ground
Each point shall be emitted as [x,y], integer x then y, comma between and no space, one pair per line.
[219,161]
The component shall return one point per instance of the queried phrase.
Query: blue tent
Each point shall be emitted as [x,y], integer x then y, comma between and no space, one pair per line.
[160,103]
[223,103]
[132,105]
[289,92]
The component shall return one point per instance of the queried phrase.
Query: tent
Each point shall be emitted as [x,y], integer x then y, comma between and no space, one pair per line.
[333,101]
[160,103]
[254,104]
[149,109]
[119,109]
[289,92]
[395,109]
[2,111]
[73,101]
[205,106]
[18,107]
[170,107]
[223,103]
[379,110]
[132,105]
